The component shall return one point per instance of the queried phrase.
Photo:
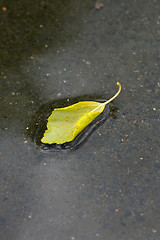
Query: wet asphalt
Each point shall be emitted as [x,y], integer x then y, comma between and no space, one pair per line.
[55,52]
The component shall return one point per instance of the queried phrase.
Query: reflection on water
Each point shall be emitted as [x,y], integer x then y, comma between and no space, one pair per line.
[29,30]
[62,49]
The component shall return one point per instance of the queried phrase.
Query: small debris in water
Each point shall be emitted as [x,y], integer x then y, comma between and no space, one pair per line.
[30,215]
[4,9]
[59,94]
[116,210]
[98,6]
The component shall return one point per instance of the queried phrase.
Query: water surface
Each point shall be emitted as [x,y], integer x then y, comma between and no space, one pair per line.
[52,50]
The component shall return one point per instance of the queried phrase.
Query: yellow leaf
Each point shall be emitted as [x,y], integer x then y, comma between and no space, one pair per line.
[64,124]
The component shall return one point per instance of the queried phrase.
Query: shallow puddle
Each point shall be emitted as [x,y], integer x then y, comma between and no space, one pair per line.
[37,126]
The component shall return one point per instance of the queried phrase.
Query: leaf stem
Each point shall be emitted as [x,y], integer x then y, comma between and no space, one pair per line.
[111,99]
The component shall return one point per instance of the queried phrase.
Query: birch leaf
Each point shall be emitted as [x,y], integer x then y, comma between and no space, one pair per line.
[64,124]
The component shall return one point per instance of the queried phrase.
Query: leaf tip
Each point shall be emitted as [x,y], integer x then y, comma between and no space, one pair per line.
[119,85]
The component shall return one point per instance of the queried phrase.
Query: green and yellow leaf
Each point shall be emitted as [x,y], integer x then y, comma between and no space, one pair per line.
[64,124]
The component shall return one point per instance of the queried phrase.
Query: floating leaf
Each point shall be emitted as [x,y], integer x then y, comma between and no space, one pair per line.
[64,124]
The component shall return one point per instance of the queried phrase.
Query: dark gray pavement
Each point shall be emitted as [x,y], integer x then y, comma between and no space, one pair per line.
[109,188]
